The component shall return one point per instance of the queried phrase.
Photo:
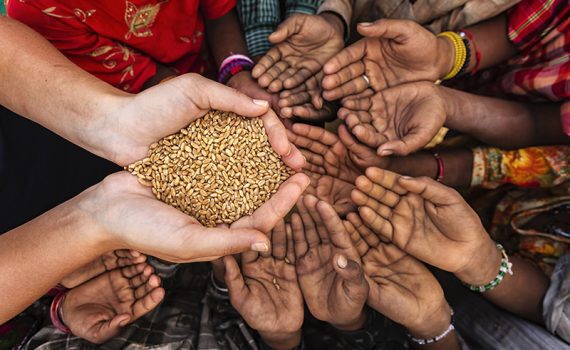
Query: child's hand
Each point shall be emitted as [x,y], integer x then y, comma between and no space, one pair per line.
[392,52]
[399,120]
[326,154]
[424,218]
[266,292]
[98,309]
[243,82]
[328,265]
[303,43]
[332,190]
[305,102]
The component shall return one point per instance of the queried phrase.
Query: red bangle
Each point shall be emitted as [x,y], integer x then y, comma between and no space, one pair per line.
[440,166]
[54,313]
[477,52]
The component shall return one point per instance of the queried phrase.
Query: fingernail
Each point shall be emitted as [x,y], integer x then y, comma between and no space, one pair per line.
[386,152]
[260,102]
[341,262]
[260,247]
[407,178]
[289,150]
[365,24]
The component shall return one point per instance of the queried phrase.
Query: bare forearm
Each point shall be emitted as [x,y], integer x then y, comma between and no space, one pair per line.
[521,293]
[37,255]
[225,37]
[502,123]
[39,83]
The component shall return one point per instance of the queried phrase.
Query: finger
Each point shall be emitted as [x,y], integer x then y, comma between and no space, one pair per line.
[431,190]
[375,192]
[277,207]
[150,301]
[376,222]
[367,235]
[126,257]
[346,74]
[352,87]
[362,155]
[141,278]
[107,329]
[398,30]
[234,280]
[364,94]
[309,224]
[334,226]
[410,143]
[224,98]
[308,111]
[290,99]
[132,270]
[357,241]
[300,242]
[272,74]
[267,61]
[309,137]
[152,283]
[290,245]
[286,29]
[277,135]
[268,253]
[279,241]
[349,55]
[298,78]
[360,104]
[386,179]
[251,256]
[361,199]
[310,203]
[350,271]
[278,84]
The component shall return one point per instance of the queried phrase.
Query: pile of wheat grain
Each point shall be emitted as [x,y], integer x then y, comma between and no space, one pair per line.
[218,169]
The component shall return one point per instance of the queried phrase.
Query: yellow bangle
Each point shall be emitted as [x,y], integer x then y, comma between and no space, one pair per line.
[460,53]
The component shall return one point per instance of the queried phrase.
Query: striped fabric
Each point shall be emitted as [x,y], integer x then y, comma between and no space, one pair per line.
[259,18]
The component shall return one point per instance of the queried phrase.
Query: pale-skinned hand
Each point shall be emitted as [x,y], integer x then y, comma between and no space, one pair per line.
[303,43]
[398,120]
[264,288]
[137,121]
[423,217]
[392,52]
[123,213]
[328,265]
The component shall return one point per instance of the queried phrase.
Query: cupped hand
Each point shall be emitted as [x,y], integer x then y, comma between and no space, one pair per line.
[305,103]
[265,290]
[244,83]
[333,191]
[98,309]
[392,52]
[126,214]
[303,43]
[328,265]
[139,120]
[421,216]
[327,154]
[398,120]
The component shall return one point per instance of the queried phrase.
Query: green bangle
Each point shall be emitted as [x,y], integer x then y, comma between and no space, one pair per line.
[506,267]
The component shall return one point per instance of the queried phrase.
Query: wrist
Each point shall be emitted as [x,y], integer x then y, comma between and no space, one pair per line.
[433,325]
[352,325]
[335,21]
[281,341]
[483,266]
[445,56]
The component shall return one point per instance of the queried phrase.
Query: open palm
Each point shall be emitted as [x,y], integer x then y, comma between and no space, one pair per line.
[331,294]
[398,120]
[424,218]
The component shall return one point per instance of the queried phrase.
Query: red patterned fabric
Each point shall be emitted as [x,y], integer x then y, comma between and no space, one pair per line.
[122,41]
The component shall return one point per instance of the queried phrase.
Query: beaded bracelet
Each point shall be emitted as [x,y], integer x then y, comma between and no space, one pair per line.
[437,338]
[465,66]
[232,65]
[55,313]
[460,53]
[506,267]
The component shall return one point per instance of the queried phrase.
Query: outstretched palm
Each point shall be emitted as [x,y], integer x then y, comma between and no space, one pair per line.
[398,120]
[319,236]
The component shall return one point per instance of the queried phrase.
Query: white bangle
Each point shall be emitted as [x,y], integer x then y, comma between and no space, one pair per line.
[436,338]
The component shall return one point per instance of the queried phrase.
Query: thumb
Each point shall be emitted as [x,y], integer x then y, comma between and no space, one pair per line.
[286,29]
[349,270]
[398,30]
[234,279]
[107,330]
[225,98]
